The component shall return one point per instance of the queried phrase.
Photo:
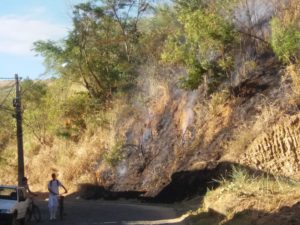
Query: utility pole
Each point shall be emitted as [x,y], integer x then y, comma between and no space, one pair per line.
[17,105]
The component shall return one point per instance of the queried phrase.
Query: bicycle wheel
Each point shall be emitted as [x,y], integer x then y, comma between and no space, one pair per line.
[36,214]
[14,219]
[28,216]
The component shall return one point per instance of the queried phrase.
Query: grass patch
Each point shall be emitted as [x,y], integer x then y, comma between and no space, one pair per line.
[242,197]
[114,155]
[206,218]
[294,72]
[218,99]
[267,116]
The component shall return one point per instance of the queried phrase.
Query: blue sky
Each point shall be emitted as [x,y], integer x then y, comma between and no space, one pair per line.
[22,23]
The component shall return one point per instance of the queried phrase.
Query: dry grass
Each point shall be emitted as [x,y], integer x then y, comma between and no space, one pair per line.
[8,165]
[244,193]
[288,11]
[80,162]
[210,117]
[73,164]
[247,68]
[294,72]
[267,115]
[217,101]
[6,84]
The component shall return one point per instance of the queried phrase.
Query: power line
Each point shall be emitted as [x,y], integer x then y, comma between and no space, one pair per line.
[20,78]
[6,78]
[6,83]
[6,109]
[6,97]
[31,85]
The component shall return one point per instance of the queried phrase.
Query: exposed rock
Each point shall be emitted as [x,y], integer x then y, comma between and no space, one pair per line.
[168,143]
[277,150]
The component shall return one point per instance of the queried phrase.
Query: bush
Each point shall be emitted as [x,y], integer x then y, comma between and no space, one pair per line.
[285,40]
[218,99]
[204,46]
[285,27]
[114,155]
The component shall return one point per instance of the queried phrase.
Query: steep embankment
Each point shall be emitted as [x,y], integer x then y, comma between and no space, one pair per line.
[179,143]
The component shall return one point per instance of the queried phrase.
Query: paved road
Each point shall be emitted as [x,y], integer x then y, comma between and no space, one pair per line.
[81,212]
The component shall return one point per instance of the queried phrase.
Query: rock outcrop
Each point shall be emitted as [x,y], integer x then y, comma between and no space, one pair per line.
[182,135]
[277,149]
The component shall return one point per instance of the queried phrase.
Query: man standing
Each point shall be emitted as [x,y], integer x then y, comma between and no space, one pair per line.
[26,186]
[53,188]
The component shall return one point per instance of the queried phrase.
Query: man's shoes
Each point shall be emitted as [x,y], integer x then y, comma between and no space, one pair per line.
[52,217]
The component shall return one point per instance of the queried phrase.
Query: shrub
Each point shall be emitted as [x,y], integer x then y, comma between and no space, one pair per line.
[203,46]
[285,28]
[114,155]
[285,40]
[218,99]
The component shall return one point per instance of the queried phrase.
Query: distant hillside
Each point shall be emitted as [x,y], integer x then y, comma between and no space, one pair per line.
[5,84]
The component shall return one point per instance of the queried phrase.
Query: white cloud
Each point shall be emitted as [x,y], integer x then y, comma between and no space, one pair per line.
[17,34]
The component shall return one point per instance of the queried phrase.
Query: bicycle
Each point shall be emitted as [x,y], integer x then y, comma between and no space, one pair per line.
[33,213]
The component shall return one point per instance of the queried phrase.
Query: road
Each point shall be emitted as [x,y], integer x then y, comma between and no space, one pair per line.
[92,212]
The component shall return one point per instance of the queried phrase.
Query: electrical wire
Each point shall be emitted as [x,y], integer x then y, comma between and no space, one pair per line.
[7,85]
[31,85]
[6,97]
[6,108]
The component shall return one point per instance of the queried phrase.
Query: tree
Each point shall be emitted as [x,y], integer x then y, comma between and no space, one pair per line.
[154,31]
[36,111]
[216,38]
[203,43]
[99,51]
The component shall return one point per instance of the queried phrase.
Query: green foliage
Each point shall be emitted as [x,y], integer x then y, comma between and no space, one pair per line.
[114,155]
[154,31]
[41,110]
[211,74]
[7,129]
[7,122]
[285,40]
[75,110]
[52,54]
[209,30]
[196,75]
[204,45]
[100,51]
[33,93]
[190,5]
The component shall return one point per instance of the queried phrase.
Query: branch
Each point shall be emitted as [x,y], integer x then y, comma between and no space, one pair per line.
[254,36]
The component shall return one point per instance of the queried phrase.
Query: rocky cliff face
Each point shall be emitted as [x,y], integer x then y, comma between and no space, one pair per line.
[179,139]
